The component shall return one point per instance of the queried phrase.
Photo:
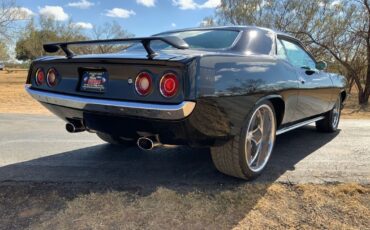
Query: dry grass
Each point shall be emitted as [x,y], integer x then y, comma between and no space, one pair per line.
[13,97]
[352,110]
[256,206]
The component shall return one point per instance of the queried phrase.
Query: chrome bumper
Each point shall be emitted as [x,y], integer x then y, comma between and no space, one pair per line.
[124,108]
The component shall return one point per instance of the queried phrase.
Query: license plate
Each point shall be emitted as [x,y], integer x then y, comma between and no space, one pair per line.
[94,81]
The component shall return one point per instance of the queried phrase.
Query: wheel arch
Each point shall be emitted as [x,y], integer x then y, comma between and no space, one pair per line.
[279,106]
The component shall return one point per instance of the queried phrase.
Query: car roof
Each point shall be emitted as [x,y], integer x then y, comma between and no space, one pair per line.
[245,27]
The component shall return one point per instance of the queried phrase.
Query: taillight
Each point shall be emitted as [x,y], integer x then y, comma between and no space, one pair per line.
[40,76]
[143,83]
[169,85]
[52,77]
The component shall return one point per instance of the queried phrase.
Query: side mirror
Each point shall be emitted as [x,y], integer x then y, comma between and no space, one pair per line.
[321,65]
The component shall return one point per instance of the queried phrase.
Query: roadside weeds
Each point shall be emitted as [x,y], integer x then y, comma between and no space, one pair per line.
[250,205]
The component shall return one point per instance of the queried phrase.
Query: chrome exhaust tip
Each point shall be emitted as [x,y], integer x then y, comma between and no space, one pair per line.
[146,143]
[75,127]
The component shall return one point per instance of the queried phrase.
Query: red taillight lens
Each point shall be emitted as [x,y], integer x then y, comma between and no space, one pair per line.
[169,85]
[40,76]
[52,77]
[143,83]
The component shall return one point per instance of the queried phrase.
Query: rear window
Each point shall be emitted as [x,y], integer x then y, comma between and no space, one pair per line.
[197,39]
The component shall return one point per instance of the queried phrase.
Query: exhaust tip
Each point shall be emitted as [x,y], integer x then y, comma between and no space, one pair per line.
[74,128]
[145,143]
[70,127]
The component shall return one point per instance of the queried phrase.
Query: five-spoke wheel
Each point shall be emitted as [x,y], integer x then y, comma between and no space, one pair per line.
[247,154]
[260,138]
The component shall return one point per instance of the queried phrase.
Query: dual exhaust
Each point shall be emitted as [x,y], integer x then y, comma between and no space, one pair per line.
[144,143]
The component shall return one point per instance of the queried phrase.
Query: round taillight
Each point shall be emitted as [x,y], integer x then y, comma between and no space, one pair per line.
[143,83]
[169,85]
[40,76]
[52,77]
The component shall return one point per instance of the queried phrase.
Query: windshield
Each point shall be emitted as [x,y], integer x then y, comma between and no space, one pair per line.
[197,39]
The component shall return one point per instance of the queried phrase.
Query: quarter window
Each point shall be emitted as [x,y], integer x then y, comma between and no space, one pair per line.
[295,54]
[281,52]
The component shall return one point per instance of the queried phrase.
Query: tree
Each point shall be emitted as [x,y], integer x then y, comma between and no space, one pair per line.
[29,46]
[109,31]
[9,15]
[4,56]
[207,22]
[335,30]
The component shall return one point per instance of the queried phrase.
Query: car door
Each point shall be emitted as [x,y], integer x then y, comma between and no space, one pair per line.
[314,96]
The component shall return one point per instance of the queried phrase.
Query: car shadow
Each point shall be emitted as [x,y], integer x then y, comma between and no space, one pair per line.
[103,168]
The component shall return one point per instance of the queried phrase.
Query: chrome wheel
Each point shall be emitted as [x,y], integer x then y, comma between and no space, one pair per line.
[260,138]
[336,113]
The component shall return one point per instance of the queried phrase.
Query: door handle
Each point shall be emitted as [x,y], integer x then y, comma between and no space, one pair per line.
[308,70]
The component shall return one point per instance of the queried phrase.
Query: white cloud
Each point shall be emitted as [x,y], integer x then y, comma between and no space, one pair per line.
[210,4]
[147,3]
[83,25]
[55,12]
[21,13]
[185,4]
[173,24]
[83,4]
[119,13]
[191,5]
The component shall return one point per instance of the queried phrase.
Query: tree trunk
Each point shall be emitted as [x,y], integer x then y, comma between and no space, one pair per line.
[363,96]
[350,85]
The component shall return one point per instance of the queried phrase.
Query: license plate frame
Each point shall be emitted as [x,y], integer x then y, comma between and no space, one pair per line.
[95,81]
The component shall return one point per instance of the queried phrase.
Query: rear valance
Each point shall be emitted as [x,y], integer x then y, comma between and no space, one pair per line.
[145,41]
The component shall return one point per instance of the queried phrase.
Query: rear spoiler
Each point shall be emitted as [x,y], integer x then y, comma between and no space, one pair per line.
[145,41]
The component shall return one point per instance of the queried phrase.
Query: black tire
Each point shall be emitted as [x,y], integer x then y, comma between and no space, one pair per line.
[330,123]
[115,140]
[231,158]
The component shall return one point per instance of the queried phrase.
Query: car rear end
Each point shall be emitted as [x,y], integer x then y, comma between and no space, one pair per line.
[99,92]
[126,94]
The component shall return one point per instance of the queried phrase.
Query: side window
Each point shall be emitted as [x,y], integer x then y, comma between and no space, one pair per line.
[297,56]
[281,52]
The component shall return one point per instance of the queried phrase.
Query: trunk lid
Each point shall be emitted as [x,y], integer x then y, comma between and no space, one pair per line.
[121,70]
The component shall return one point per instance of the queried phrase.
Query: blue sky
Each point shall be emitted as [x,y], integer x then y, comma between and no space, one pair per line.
[140,17]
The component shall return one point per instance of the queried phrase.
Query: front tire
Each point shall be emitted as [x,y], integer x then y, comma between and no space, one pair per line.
[115,140]
[330,123]
[246,154]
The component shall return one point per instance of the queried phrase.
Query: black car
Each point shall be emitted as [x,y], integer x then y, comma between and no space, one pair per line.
[232,89]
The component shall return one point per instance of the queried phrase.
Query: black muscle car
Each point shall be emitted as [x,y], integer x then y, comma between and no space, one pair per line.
[232,89]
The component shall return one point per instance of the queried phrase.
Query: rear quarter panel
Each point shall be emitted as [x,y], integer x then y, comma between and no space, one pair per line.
[339,86]
[229,86]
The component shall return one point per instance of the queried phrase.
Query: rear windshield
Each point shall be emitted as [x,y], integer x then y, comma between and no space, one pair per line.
[197,39]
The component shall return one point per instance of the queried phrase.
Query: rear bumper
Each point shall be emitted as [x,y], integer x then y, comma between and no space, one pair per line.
[182,124]
[118,108]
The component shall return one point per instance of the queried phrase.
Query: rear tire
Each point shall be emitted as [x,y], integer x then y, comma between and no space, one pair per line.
[246,154]
[330,123]
[115,140]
